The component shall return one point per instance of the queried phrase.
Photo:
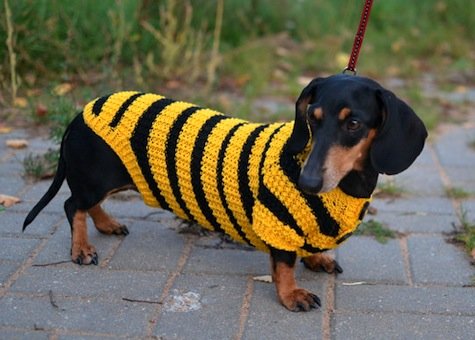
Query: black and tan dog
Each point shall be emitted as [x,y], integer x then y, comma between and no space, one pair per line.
[291,189]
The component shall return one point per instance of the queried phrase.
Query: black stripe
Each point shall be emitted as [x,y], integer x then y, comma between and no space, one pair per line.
[170,152]
[243,177]
[139,144]
[268,198]
[125,105]
[219,171]
[196,164]
[328,226]
[97,107]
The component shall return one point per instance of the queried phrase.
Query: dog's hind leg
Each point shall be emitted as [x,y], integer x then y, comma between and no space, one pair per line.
[82,252]
[105,223]
[321,261]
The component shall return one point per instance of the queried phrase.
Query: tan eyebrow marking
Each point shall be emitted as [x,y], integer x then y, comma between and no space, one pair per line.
[344,113]
[318,113]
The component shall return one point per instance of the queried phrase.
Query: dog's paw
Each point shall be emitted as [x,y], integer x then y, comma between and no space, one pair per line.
[85,255]
[319,262]
[121,230]
[300,300]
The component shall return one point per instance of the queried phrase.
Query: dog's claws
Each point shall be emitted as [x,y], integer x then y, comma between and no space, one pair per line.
[122,230]
[95,259]
[338,268]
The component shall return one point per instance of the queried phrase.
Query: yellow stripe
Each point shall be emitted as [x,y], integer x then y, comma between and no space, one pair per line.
[186,141]
[158,137]
[119,138]
[209,177]
[231,185]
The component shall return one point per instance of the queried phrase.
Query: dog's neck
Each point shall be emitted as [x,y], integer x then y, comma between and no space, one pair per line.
[360,184]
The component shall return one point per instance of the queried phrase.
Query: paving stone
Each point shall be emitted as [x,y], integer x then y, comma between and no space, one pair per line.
[58,246]
[413,222]
[401,326]
[12,223]
[420,181]
[435,261]
[268,319]
[90,337]
[388,298]
[11,185]
[149,246]
[209,320]
[462,177]
[92,281]
[129,208]
[436,205]
[469,207]
[453,148]
[8,334]
[6,270]
[227,261]
[365,259]
[105,316]
[15,249]
[35,192]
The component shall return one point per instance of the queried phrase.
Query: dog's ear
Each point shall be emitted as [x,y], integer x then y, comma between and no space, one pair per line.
[300,133]
[400,138]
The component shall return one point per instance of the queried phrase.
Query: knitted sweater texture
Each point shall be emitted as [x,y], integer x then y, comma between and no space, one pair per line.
[224,173]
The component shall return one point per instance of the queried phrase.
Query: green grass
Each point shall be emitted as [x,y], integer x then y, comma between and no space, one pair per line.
[376,229]
[265,45]
[465,232]
[41,166]
[389,189]
[456,193]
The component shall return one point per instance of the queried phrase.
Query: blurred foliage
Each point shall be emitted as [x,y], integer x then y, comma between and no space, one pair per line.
[266,46]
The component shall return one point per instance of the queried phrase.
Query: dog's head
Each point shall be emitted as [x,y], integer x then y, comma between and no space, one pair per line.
[347,119]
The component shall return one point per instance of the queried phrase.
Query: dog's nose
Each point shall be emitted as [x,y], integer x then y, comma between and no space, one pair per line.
[310,184]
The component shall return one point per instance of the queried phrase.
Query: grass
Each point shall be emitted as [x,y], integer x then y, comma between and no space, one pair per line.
[376,229]
[252,48]
[456,193]
[41,166]
[464,233]
[389,189]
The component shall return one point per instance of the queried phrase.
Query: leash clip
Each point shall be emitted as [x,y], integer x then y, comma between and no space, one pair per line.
[349,70]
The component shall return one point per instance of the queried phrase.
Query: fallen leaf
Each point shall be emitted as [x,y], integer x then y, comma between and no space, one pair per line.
[17,143]
[473,253]
[263,278]
[5,129]
[20,102]
[62,89]
[8,201]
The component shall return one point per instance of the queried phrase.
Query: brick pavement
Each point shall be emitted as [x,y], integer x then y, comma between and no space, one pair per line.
[159,282]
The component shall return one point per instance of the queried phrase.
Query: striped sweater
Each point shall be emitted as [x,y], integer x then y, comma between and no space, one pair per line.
[224,173]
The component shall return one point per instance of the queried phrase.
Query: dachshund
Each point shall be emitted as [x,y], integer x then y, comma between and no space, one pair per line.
[292,189]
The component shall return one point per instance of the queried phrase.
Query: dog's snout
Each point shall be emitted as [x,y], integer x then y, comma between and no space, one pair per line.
[310,183]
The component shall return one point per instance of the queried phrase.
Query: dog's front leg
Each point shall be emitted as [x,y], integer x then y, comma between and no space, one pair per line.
[290,295]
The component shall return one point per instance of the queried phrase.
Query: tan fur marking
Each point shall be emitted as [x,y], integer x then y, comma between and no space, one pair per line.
[103,222]
[318,113]
[318,261]
[80,247]
[341,160]
[344,113]
[291,296]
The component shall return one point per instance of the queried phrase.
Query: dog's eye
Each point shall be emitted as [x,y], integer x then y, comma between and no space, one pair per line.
[352,125]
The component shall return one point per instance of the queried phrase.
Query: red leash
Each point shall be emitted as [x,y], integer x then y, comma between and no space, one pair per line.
[359,37]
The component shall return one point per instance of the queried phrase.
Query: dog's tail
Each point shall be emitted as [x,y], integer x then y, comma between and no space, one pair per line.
[54,187]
